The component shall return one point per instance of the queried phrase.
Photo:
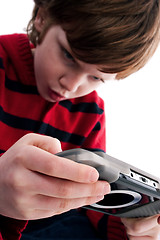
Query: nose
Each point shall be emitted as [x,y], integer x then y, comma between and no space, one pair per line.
[71,82]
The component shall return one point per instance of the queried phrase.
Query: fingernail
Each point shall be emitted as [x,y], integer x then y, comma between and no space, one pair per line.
[94,176]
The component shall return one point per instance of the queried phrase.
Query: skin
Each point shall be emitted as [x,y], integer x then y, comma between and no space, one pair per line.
[69,78]
[35,183]
[142,228]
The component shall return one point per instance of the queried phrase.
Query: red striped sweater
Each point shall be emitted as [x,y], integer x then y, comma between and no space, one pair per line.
[76,123]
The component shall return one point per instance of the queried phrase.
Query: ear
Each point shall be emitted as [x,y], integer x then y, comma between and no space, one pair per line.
[40,19]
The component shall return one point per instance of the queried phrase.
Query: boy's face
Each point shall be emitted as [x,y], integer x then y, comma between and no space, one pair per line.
[59,75]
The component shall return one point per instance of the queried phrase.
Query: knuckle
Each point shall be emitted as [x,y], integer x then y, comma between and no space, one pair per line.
[50,167]
[82,172]
[63,205]
[13,180]
[136,229]
[30,135]
[27,137]
[20,204]
[97,189]
[16,181]
[66,190]
[23,215]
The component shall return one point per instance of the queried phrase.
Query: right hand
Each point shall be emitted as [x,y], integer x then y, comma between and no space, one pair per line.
[35,183]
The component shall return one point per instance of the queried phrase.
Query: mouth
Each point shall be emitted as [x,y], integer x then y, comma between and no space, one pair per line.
[56,97]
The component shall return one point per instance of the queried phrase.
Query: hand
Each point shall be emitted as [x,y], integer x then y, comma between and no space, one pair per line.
[142,228]
[35,183]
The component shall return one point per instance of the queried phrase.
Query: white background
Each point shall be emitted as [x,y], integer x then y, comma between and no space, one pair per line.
[132,105]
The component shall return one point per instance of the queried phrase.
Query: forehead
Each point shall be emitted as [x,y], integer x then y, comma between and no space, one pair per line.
[62,38]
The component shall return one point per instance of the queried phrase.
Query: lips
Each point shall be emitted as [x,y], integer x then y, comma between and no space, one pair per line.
[55,96]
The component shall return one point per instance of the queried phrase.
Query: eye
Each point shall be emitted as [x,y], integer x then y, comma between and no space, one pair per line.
[68,56]
[97,79]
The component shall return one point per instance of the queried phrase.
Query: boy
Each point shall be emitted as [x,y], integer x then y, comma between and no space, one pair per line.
[47,88]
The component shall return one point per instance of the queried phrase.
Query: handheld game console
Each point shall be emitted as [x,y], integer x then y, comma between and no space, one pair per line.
[134,192]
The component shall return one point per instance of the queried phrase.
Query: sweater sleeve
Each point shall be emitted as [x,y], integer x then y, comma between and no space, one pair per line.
[108,227]
[10,229]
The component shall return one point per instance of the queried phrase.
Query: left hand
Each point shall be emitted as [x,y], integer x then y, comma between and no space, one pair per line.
[142,228]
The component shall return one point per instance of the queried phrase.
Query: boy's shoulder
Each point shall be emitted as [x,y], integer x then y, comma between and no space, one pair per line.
[12,41]
[10,45]
[16,57]
[14,36]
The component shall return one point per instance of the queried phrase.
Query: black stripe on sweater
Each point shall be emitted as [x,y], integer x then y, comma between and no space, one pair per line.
[95,150]
[18,122]
[82,107]
[1,151]
[102,225]
[1,64]
[19,87]
[97,127]
[63,136]
[39,127]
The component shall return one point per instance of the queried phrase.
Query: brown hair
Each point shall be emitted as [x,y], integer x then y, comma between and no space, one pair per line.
[120,35]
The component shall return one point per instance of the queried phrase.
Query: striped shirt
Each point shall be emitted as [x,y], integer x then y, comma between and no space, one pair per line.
[77,123]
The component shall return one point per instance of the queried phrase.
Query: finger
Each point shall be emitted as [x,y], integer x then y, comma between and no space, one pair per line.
[59,205]
[152,234]
[60,188]
[137,226]
[46,143]
[53,206]
[43,162]
[142,238]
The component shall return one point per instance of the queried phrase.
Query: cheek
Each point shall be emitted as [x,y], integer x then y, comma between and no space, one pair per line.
[41,68]
[94,85]
[38,64]
[48,66]
[88,87]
